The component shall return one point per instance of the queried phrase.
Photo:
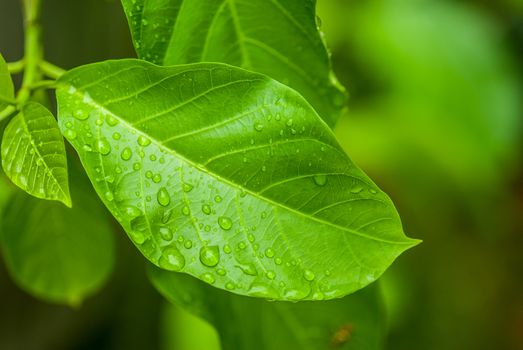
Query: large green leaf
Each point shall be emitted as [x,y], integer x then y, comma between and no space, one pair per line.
[274,37]
[229,176]
[354,322]
[33,154]
[7,91]
[55,253]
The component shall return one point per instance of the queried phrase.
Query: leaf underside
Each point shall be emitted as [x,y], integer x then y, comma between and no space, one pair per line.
[229,176]
[355,322]
[53,252]
[33,154]
[274,37]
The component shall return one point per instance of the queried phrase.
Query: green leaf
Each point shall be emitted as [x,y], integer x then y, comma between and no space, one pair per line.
[33,154]
[55,253]
[274,37]
[229,176]
[7,90]
[354,322]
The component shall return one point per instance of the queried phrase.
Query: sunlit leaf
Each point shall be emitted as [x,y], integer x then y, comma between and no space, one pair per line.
[229,176]
[33,154]
[7,91]
[56,253]
[355,322]
[274,37]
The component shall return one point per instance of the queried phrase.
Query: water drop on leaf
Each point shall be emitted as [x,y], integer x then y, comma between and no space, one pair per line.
[225,222]
[320,180]
[163,197]
[210,255]
[171,259]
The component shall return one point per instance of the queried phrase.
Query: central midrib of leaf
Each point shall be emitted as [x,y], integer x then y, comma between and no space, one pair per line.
[90,101]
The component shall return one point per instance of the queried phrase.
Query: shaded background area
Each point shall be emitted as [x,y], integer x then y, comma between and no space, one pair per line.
[434,117]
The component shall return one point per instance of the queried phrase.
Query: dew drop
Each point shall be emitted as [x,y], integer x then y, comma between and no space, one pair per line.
[187,187]
[206,209]
[269,253]
[117,136]
[132,211]
[81,115]
[185,210]
[157,178]
[221,272]
[258,127]
[270,275]
[188,244]
[137,166]
[70,134]
[109,196]
[217,199]
[249,269]
[356,189]
[210,255]
[143,141]
[126,153]
[208,278]
[166,233]
[320,180]
[103,147]
[163,197]
[225,222]
[227,249]
[308,275]
[171,259]
[230,286]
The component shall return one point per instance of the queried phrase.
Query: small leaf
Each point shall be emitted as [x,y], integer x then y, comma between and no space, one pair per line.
[229,176]
[7,91]
[33,154]
[355,322]
[55,253]
[274,37]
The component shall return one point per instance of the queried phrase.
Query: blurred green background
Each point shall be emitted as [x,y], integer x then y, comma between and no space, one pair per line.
[435,118]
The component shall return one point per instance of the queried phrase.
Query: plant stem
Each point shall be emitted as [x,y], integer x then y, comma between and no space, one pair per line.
[33,50]
[7,112]
[51,70]
[16,67]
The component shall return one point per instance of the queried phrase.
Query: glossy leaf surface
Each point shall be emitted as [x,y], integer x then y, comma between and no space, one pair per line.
[229,176]
[274,37]
[354,322]
[33,154]
[55,253]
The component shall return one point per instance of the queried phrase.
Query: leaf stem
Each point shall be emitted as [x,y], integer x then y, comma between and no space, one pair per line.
[43,84]
[33,49]
[51,70]
[7,112]
[16,67]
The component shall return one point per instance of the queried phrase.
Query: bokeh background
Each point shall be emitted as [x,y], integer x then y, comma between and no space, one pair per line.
[434,117]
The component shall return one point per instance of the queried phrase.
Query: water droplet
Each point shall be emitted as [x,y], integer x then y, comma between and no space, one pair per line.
[132,211]
[269,253]
[137,236]
[308,275]
[206,209]
[126,153]
[356,189]
[137,166]
[221,272]
[187,187]
[171,259]
[99,121]
[163,197]
[278,261]
[109,196]
[117,136]
[188,244]
[210,255]
[81,115]
[250,237]
[166,233]
[289,122]
[70,134]
[103,147]
[227,249]
[207,277]
[152,157]
[185,210]
[270,275]
[258,127]
[373,191]
[157,178]
[87,148]
[320,180]
[143,141]
[225,222]
[112,121]
[217,199]
[149,174]
[249,269]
